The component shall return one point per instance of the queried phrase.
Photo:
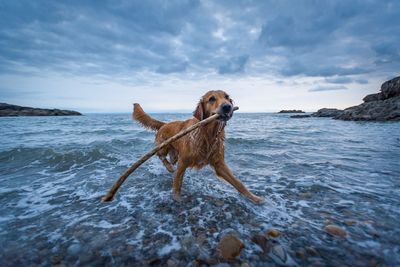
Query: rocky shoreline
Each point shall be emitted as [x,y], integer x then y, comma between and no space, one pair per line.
[291,111]
[8,110]
[382,106]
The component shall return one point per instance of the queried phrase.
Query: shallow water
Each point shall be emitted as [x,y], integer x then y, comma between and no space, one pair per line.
[312,172]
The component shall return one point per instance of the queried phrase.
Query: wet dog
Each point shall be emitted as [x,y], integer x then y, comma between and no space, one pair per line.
[204,146]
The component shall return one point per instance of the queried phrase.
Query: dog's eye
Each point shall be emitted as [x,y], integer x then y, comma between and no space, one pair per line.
[227,97]
[212,99]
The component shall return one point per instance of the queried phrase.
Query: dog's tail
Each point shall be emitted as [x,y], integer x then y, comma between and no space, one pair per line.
[144,119]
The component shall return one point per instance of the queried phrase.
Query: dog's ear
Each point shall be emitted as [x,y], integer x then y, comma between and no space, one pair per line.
[199,111]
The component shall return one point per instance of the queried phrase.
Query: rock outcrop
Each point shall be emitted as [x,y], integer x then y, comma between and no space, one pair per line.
[327,112]
[382,106]
[380,110]
[7,110]
[291,111]
[300,116]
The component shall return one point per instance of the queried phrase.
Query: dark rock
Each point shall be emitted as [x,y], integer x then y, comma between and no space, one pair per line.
[381,110]
[279,255]
[301,253]
[262,241]
[312,251]
[300,116]
[327,112]
[383,106]
[391,88]
[55,259]
[74,249]
[372,97]
[291,111]
[280,252]
[14,110]
[172,263]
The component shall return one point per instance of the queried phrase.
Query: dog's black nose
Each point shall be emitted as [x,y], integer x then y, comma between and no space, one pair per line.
[226,108]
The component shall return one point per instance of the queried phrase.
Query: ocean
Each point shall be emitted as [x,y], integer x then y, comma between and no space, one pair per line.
[312,172]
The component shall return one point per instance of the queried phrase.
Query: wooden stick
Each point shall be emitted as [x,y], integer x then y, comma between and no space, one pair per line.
[110,195]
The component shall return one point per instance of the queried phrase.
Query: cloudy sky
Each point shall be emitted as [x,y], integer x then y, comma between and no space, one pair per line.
[101,56]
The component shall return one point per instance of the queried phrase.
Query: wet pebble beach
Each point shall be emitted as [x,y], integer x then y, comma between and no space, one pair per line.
[331,190]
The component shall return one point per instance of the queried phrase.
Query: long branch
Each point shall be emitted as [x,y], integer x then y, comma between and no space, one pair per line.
[110,195]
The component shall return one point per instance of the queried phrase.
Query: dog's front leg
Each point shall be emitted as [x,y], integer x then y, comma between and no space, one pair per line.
[177,183]
[223,171]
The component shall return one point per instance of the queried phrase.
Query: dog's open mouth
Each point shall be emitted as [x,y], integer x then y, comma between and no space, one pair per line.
[224,116]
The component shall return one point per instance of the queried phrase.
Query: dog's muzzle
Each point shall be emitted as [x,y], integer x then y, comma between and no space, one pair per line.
[225,112]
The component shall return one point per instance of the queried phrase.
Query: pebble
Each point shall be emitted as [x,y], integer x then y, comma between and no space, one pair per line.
[172,263]
[305,195]
[301,253]
[273,233]
[129,248]
[280,252]
[230,247]
[312,251]
[279,255]
[254,258]
[219,203]
[244,264]
[335,230]
[350,222]
[228,215]
[261,241]
[201,238]
[74,249]
[55,259]
[317,264]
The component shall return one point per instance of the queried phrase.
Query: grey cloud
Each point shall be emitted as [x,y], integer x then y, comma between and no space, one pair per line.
[340,80]
[327,88]
[305,38]
[15,92]
[173,67]
[361,81]
[298,68]
[319,38]
[233,65]
[345,80]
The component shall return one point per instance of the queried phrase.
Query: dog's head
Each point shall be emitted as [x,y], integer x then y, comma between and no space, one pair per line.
[214,102]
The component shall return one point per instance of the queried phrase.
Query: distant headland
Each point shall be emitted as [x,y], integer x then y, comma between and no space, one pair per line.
[7,110]
[382,106]
[291,111]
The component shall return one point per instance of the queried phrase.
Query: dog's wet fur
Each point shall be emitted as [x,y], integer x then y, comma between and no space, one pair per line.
[204,146]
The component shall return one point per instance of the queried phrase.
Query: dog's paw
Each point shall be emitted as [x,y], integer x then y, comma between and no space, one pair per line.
[177,197]
[170,169]
[257,200]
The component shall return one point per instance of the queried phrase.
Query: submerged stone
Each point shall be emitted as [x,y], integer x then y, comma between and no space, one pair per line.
[262,242]
[230,246]
[335,230]
[273,233]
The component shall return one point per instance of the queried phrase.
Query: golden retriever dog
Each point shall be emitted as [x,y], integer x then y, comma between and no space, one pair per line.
[204,146]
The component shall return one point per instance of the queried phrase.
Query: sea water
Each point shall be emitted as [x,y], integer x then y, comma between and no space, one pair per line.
[312,172]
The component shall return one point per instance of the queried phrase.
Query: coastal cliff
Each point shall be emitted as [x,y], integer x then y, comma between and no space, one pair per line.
[382,106]
[7,110]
